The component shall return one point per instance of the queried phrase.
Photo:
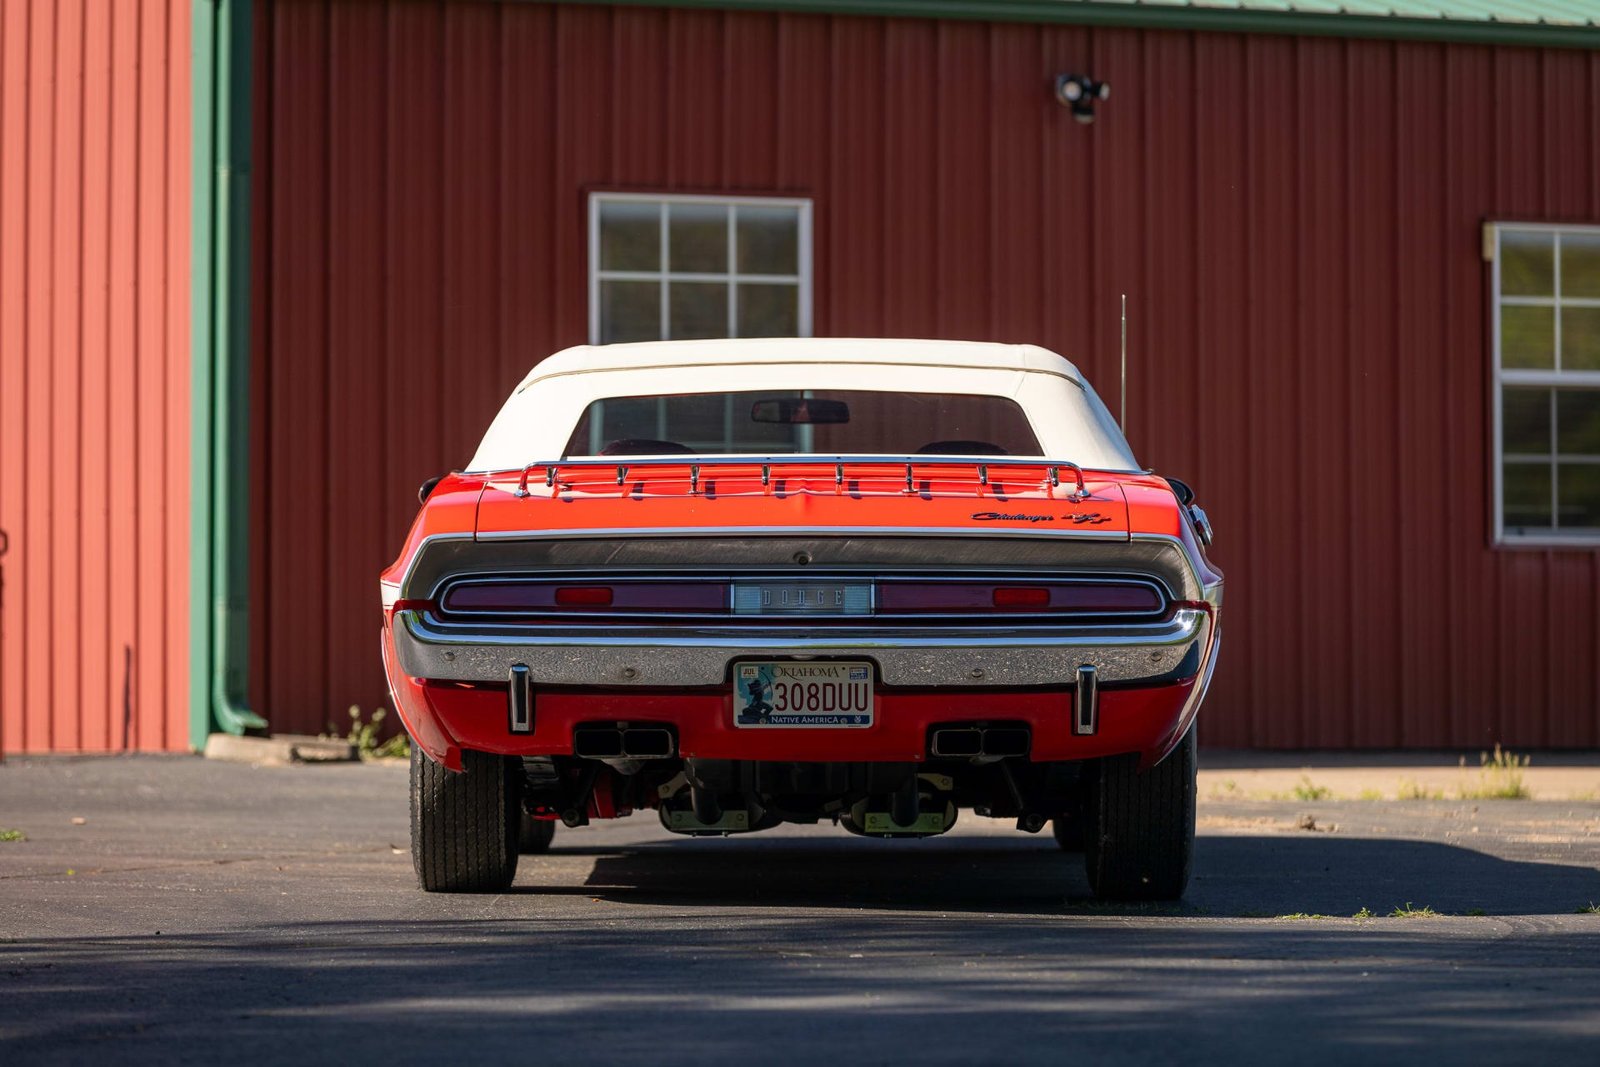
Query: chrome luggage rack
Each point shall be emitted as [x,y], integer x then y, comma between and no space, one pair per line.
[553,469]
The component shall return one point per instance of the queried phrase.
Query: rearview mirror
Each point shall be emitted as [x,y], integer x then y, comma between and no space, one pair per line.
[800,411]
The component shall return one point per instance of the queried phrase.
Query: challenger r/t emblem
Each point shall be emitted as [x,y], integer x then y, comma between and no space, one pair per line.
[1082,518]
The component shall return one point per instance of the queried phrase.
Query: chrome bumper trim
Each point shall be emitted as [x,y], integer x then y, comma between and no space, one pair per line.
[700,656]
[442,558]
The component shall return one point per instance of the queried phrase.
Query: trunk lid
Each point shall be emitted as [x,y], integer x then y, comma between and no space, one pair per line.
[893,495]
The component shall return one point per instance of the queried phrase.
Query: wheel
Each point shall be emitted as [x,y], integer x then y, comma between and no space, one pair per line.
[1068,828]
[1139,840]
[535,834]
[464,826]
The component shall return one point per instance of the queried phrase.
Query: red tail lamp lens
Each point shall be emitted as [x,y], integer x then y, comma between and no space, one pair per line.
[583,596]
[541,597]
[1107,598]
[1043,598]
[1021,597]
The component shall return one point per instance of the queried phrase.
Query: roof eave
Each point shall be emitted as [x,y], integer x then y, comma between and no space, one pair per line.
[1484,32]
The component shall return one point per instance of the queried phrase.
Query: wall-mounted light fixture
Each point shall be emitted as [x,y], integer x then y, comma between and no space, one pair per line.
[1079,92]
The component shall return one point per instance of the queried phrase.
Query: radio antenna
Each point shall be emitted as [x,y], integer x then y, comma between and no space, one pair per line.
[1124,419]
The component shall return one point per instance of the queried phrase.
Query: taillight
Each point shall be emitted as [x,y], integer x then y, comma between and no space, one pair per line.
[1021,597]
[538,597]
[1039,598]
[583,596]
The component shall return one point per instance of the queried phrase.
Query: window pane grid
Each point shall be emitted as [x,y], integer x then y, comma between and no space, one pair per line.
[694,276]
[1549,301]
[706,281]
[1545,457]
[733,264]
[1547,392]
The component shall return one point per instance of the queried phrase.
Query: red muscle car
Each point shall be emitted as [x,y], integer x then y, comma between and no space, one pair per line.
[742,583]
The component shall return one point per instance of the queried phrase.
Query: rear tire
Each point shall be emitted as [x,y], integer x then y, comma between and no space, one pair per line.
[464,827]
[1068,829]
[535,835]
[1139,839]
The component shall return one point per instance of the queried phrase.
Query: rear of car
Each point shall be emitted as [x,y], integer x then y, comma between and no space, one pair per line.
[875,584]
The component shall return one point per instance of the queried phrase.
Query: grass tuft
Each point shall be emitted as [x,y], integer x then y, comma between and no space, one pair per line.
[364,735]
[1370,794]
[1304,915]
[1364,913]
[1589,909]
[1306,789]
[1412,790]
[12,835]
[1407,911]
[1499,777]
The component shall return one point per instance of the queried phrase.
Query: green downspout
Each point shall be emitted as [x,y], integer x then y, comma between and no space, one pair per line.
[219,570]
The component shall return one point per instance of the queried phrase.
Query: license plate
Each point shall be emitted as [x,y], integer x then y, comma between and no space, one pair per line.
[829,694]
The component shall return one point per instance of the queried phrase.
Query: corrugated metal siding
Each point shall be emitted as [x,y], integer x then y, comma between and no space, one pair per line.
[94,361]
[1295,221]
[1551,12]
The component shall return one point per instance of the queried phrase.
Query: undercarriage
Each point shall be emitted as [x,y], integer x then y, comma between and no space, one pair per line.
[701,797]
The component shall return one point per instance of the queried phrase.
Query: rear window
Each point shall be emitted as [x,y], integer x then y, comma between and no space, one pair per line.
[825,421]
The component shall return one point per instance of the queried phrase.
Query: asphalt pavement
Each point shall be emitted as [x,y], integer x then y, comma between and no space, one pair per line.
[177,909]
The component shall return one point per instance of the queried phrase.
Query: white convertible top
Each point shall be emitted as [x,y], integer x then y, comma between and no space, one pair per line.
[582,359]
[1067,417]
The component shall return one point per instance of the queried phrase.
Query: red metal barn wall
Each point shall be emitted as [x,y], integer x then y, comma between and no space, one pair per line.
[94,374]
[1295,221]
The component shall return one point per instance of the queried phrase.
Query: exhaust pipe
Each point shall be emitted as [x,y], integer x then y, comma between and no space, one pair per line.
[1006,741]
[597,742]
[971,742]
[651,742]
[705,805]
[958,743]
[905,803]
[611,742]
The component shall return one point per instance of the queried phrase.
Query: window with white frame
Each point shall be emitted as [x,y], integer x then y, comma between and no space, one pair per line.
[1547,395]
[676,267]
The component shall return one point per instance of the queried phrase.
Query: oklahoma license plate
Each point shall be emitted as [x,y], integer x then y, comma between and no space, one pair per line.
[829,693]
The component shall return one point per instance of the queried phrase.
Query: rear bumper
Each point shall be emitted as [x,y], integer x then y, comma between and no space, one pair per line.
[655,658]
[449,686]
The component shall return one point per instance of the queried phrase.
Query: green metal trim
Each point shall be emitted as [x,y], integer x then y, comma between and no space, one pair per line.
[202,73]
[1175,17]
[219,570]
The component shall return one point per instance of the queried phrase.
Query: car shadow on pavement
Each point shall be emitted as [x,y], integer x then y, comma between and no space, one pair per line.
[1244,876]
[466,979]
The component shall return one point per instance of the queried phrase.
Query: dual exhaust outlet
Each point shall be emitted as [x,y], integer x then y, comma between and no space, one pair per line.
[623,742]
[963,742]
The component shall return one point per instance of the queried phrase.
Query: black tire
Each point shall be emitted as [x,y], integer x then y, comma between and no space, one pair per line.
[464,826]
[535,835]
[1139,843]
[1068,828]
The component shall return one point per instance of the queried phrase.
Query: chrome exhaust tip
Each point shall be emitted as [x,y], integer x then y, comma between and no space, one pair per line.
[973,742]
[614,742]
[958,743]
